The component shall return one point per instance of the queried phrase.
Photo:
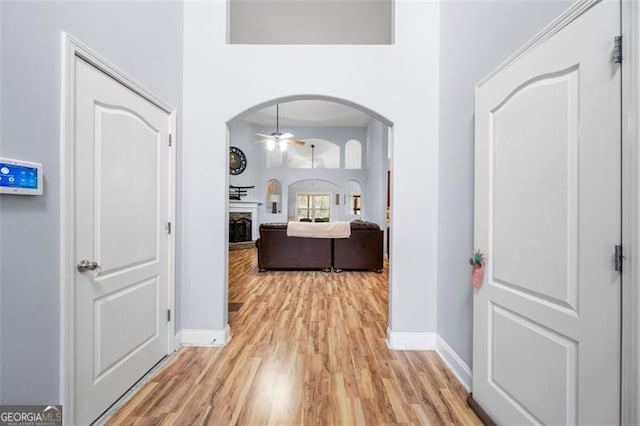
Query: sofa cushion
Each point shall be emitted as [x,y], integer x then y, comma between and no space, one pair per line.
[358,225]
[273,226]
[355,225]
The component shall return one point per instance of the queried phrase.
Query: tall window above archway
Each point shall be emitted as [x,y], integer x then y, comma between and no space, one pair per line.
[310,22]
[353,155]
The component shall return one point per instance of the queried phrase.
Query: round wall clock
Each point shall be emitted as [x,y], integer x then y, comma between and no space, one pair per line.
[237,161]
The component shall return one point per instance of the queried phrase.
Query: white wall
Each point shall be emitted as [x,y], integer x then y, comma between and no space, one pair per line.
[398,81]
[475,36]
[150,51]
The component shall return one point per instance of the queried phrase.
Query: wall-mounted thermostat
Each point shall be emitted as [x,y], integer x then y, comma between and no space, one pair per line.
[20,177]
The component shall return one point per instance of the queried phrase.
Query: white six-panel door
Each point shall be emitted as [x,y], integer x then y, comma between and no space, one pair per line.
[121,210]
[547,214]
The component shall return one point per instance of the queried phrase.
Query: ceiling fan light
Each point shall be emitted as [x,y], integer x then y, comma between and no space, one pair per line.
[271,144]
[282,145]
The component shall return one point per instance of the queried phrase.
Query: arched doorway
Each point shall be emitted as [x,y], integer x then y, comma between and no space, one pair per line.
[344,143]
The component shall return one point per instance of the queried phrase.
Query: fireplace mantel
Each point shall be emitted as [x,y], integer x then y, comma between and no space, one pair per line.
[246,206]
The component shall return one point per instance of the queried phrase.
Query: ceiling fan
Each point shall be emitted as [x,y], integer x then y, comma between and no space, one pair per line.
[277,138]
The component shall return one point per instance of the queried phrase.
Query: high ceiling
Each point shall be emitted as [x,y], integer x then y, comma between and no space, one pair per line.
[310,113]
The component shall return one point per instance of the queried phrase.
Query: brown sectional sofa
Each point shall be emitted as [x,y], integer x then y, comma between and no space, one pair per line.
[362,251]
[278,251]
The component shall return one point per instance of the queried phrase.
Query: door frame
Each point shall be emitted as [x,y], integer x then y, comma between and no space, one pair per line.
[630,368]
[72,48]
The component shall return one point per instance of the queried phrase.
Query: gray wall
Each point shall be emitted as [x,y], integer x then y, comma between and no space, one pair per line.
[142,38]
[310,21]
[475,37]
[375,204]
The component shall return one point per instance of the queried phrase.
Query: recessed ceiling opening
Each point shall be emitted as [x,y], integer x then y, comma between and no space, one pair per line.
[310,22]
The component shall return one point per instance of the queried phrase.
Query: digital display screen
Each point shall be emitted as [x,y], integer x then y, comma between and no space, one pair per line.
[14,176]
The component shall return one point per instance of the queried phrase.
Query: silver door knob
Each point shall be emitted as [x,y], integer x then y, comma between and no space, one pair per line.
[87,265]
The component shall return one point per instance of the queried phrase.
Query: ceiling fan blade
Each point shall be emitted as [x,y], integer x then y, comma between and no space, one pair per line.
[264,136]
[286,135]
[296,142]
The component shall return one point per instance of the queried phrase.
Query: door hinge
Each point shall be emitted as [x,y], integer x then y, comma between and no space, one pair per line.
[170,139]
[168,315]
[617,49]
[619,257]
[169,228]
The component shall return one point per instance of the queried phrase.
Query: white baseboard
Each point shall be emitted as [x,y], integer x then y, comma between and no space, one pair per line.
[204,337]
[454,362]
[403,341]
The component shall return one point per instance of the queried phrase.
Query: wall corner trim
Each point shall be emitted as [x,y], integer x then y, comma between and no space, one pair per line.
[177,340]
[454,362]
[203,337]
[407,341]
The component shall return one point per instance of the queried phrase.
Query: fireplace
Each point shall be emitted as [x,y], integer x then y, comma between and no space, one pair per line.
[249,208]
[239,227]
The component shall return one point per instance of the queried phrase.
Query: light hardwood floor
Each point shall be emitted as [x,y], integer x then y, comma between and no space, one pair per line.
[307,348]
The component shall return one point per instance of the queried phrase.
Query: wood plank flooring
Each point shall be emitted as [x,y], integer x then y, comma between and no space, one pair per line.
[307,348]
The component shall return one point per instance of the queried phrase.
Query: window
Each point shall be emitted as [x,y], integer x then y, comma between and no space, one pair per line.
[313,207]
[353,155]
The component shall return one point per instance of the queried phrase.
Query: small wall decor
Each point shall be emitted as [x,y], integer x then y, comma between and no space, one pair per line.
[237,160]
[353,198]
[275,199]
[477,262]
[237,192]
[273,196]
